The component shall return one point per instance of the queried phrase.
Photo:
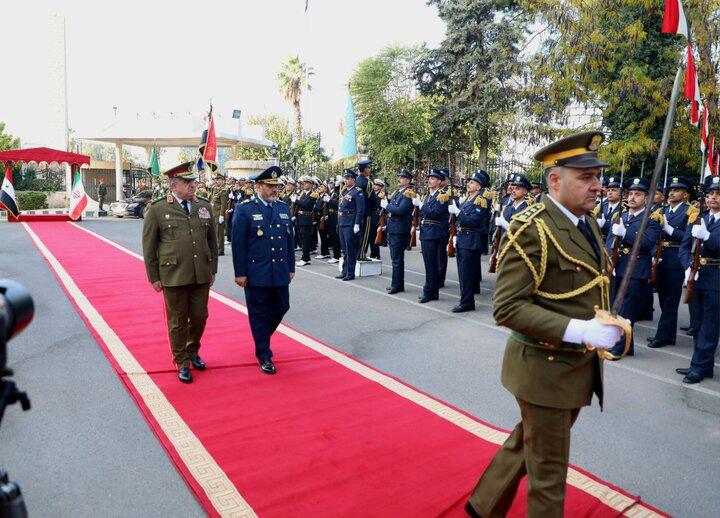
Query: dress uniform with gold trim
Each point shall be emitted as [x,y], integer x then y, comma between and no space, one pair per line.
[180,251]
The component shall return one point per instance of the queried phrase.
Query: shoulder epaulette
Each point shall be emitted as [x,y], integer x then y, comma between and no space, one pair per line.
[530,200]
[490,195]
[245,201]
[443,196]
[281,201]
[314,195]
[530,212]
[692,214]
[481,201]
[157,199]
[658,217]
[410,193]
[202,198]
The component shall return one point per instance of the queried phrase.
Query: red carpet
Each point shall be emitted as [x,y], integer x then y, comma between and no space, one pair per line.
[327,436]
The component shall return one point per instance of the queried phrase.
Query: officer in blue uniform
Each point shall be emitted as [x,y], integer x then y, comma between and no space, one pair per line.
[626,231]
[399,210]
[364,184]
[445,188]
[706,233]
[434,232]
[263,251]
[471,222]
[351,213]
[608,211]
[676,216]
[520,186]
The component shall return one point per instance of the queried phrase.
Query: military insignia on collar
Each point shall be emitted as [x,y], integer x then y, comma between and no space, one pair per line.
[170,198]
[595,143]
[283,215]
[204,213]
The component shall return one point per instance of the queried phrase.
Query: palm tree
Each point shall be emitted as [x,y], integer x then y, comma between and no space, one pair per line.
[293,77]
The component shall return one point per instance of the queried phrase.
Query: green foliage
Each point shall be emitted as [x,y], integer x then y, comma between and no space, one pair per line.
[393,120]
[293,77]
[32,178]
[106,152]
[7,141]
[31,200]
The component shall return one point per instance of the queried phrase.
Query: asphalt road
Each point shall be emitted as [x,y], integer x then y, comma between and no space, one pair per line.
[85,450]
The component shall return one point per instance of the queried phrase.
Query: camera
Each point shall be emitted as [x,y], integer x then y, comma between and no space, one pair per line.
[16,313]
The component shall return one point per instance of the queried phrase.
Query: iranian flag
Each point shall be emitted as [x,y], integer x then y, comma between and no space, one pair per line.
[7,193]
[674,21]
[692,88]
[78,198]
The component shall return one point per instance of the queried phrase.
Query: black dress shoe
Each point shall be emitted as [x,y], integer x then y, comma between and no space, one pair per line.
[423,299]
[349,278]
[221,253]
[442,285]
[657,344]
[693,377]
[267,366]
[683,371]
[341,276]
[198,363]
[684,328]
[184,375]
[462,309]
[394,291]
[691,331]
[470,511]
[650,338]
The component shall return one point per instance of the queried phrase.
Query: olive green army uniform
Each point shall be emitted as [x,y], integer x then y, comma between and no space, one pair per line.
[219,200]
[180,251]
[549,273]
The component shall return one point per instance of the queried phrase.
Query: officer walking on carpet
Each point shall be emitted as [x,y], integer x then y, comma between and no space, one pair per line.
[180,252]
[546,295]
[263,249]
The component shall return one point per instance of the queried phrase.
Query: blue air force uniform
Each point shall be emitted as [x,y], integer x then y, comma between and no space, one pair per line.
[670,271]
[399,227]
[264,251]
[707,291]
[637,290]
[351,212]
[472,241]
[434,234]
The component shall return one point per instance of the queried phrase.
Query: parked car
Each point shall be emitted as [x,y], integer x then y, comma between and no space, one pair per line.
[136,206]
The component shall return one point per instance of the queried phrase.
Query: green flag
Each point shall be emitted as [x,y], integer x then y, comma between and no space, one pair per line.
[153,165]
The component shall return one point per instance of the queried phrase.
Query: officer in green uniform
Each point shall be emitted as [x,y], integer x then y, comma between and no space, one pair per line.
[219,201]
[552,273]
[180,251]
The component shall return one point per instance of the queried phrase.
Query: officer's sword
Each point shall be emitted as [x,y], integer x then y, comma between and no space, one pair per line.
[612,317]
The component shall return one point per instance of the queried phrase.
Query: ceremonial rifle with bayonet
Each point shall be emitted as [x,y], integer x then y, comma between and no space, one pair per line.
[453,228]
[618,219]
[497,235]
[658,250]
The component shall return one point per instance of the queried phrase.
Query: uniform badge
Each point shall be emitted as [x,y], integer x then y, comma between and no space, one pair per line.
[283,215]
[260,232]
[170,198]
[167,216]
[257,217]
[595,143]
[204,213]
[636,181]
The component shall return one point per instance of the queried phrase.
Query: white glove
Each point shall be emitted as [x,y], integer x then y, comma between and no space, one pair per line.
[601,221]
[455,241]
[500,221]
[326,198]
[384,203]
[417,203]
[453,209]
[292,219]
[384,228]
[700,231]
[618,229]
[592,332]
[356,229]
[337,183]
[687,276]
[221,219]
[668,228]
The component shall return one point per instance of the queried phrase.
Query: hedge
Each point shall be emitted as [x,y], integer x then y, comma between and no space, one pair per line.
[31,200]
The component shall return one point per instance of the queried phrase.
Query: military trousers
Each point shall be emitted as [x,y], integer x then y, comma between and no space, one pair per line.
[631,308]
[306,241]
[468,264]
[397,244]
[350,243]
[220,234]
[669,289]
[101,202]
[365,238]
[186,310]
[266,308]
[431,251]
[539,448]
[442,262]
[708,333]
[374,249]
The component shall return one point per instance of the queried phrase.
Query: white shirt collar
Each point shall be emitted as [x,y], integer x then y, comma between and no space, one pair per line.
[266,203]
[634,214]
[189,202]
[613,205]
[569,214]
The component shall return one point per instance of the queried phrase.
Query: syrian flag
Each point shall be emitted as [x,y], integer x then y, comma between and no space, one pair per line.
[208,146]
[674,21]
[692,89]
[704,132]
[78,198]
[7,193]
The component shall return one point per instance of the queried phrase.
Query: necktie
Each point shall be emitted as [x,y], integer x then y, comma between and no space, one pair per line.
[185,206]
[585,231]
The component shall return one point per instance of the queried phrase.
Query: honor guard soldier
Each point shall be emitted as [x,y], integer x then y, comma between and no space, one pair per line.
[610,208]
[519,187]
[399,209]
[446,188]
[472,218]
[102,194]
[380,194]
[622,238]
[704,236]
[351,211]
[330,198]
[180,252]
[305,219]
[536,191]
[550,280]
[364,184]
[677,216]
[219,201]
[434,232]
[264,261]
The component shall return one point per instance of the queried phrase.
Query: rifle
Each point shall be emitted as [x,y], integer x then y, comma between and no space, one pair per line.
[323,220]
[497,235]
[381,224]
[658,250]
[453,227]
[616,242]
[415,224]
[690,292]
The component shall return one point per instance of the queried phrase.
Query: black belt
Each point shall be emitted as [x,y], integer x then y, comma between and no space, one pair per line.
[347,213]
[430,222]
[709,261]
[304,212]
[565,345]
[466,229]
[670,244]
[401,218]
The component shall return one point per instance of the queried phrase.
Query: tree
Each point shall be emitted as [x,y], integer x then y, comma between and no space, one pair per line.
[7,141]
[474,73]
[392,118]
[294,76]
